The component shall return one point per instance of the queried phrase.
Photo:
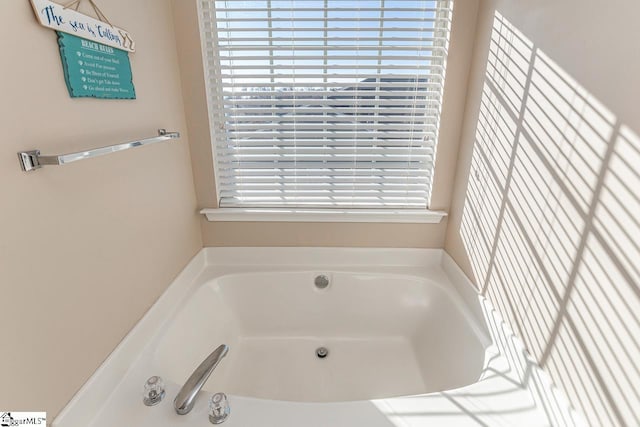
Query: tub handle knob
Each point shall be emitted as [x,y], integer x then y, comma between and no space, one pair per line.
[219,408]
[153,391]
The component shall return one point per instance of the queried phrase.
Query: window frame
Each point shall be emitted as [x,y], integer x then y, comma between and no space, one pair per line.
[313,213]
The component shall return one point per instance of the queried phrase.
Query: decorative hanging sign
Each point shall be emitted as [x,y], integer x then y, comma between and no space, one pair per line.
[95,70]
[70,21]
[94,53]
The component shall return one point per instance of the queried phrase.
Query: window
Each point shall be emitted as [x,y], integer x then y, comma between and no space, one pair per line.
[325,103]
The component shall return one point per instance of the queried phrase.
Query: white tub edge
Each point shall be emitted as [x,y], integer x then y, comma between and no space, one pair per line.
[334,256]
[88,400]
[93,393]
[541,387]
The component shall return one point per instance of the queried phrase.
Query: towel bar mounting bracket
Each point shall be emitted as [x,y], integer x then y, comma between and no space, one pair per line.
[29,160]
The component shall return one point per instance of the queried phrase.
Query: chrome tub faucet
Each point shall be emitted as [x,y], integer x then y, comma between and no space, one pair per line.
[183,403]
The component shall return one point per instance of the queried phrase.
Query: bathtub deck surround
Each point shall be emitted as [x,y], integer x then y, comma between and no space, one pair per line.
[398,337]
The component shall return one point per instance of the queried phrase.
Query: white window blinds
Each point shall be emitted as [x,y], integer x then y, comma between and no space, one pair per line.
[325,103]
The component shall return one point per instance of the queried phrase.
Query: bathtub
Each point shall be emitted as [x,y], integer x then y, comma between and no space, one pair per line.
[409,341]
[387,335]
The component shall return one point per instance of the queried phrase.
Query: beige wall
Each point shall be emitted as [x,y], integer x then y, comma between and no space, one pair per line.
[85,248]
[545,213]
[323,234]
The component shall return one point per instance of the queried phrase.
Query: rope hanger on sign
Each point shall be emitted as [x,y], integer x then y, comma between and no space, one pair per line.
[76,4]
[69,17]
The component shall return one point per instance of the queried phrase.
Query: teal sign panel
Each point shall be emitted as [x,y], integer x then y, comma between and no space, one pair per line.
[94,70]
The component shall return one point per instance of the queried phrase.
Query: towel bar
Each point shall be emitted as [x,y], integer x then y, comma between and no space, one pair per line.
[32,160]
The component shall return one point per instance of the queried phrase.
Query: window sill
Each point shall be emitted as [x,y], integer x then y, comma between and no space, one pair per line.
[412,216]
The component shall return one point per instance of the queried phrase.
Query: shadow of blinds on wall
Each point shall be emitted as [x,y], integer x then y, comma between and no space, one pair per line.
[325,103]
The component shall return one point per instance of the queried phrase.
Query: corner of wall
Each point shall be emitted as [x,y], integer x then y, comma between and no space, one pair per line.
[477,65]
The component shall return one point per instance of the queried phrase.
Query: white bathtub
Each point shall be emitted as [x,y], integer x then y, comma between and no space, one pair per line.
[387,335]
[410,344]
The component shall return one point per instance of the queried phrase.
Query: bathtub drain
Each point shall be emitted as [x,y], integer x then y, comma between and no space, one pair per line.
[322,352]
[321,281]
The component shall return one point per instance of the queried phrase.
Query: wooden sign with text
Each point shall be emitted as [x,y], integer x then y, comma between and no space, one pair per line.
[59,18]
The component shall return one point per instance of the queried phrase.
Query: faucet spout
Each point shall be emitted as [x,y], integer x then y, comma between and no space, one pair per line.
[183,403]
